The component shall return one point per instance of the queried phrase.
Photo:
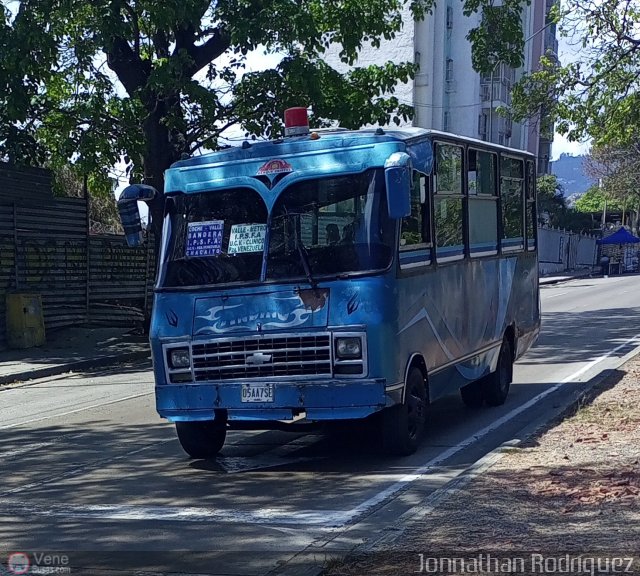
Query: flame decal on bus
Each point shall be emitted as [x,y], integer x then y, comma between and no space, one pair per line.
[281,313]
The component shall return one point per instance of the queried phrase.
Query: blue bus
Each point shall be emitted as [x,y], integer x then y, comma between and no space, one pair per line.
[340,275]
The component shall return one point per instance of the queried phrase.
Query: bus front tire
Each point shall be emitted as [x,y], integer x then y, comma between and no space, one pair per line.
[403,424]
[202,439]
[495,386]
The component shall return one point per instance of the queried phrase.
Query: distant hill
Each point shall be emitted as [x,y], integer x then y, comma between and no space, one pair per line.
[570,173]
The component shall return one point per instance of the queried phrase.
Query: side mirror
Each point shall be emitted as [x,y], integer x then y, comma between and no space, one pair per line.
[397,175]
[129,213]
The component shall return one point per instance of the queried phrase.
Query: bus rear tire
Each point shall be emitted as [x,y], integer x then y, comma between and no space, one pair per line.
[403,424]
[495,386]
[202,439]
[473,394]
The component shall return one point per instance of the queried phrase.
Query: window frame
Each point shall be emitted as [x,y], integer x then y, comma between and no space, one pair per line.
[531,200]
[456,252]
[475,198]
[504,245]
[419,255]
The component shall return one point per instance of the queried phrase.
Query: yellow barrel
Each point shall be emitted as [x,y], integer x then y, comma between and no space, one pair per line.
[25,321]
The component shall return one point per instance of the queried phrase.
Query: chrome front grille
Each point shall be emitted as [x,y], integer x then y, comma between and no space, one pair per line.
[265,357]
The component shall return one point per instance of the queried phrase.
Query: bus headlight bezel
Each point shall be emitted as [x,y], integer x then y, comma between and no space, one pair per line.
[349,353]
[348,348]
[179,358]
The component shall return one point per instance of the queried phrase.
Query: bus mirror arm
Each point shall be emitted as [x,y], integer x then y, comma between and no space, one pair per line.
[129,213]
[397,174]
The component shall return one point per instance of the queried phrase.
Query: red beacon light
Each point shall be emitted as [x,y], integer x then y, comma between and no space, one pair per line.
[296,122]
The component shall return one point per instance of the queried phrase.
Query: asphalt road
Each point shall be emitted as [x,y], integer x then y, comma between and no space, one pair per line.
[91,473]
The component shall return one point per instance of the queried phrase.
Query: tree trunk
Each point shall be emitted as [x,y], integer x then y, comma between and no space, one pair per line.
[161,151]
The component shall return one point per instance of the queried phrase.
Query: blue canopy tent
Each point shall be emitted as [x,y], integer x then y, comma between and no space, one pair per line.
[622,236]
[625,259]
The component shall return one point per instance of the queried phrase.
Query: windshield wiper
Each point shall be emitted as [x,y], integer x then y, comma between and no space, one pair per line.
[304,257]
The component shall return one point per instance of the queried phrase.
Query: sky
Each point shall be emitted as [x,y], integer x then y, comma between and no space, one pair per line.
[562,146]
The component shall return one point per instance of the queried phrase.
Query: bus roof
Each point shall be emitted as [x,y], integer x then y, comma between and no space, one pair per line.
[331,139]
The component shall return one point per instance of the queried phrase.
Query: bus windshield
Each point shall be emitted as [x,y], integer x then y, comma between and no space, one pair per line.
[330,226]
[318,228]
[214,238]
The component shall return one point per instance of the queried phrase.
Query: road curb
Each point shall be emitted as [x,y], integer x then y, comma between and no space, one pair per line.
[78,365]
[561,279]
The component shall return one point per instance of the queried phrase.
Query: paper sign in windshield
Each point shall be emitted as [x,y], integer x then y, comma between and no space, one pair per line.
[247,238]
[204,238]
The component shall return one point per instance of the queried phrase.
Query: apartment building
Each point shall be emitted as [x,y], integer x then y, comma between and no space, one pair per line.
[447,94]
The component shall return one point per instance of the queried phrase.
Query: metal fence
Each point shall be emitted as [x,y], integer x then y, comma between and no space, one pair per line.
[46,249]
[562,250]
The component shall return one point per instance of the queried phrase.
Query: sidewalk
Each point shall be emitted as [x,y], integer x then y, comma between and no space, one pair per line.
[72,349]
[566,499]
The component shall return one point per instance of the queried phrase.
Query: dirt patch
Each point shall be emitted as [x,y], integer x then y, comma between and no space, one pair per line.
[566,497]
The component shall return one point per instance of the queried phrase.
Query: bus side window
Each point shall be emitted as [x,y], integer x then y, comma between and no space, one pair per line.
[512,199]
[483,203]
[449,202]
[530,215]
[415,227]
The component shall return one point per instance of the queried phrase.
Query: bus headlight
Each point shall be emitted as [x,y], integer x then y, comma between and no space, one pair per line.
[179,358]
[349,348]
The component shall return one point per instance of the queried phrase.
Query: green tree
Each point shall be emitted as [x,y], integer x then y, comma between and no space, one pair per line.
[596,96]
[593,200]
[553,209]
[617,168]
[551,201]
[150,80]
[103,213]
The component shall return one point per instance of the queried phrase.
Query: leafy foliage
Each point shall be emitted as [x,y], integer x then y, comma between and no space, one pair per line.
[553,209]
[594,199]
[149,80]
[618,170]
[499,39]
[596,97]
[551,202]
[103,213]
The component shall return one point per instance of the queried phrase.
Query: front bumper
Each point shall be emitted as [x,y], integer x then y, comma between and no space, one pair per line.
[331,399]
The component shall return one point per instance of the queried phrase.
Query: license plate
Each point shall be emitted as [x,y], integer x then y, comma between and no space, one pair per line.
[257,393]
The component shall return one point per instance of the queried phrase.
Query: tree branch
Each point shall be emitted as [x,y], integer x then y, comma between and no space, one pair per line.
[127,65]
[202,54]
[161,44]
[136,28]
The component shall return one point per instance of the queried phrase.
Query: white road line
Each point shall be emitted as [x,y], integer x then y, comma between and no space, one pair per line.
[367,505]
[327,519]
[59,414]
[172,513]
